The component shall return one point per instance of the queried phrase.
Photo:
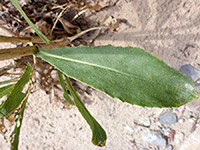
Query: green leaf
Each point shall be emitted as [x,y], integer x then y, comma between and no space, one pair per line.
[15,134]
[98,134]
[5,69]
[16,97]
[130,74]
[6,90]
[9,81]
[39,33]
[62,83]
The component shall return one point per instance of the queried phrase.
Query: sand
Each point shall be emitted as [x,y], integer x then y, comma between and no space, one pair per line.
[169,29]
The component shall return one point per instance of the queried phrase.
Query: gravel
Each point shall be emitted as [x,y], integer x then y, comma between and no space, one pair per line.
[169,147]
[140,148]
[168,118]
[154,138]
[129,128]
[145,121]
[191,71]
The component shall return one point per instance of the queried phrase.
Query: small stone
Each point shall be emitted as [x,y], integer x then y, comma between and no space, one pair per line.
[168,118]
[182,120]
[191,120]
[166,131]
[140,148]
[191,71]
[197,85]
[169,147]
[128,1]
[145,121]
[188,114]
[179,137]
[129,128]
[154,138]
[157,148]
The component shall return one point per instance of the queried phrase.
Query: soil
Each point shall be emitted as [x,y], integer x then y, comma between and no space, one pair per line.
[170,30]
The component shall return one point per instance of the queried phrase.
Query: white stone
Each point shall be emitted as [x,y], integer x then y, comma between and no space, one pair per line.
[129,128]
[145,121]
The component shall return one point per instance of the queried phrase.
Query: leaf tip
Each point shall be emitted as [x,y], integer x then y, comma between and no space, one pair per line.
[100,143]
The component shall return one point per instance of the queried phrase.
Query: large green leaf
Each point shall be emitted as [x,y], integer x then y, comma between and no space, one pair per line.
[130,74]
[98,134]
[15,98]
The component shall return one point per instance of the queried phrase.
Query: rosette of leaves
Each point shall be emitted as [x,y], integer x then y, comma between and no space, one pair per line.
[130,74]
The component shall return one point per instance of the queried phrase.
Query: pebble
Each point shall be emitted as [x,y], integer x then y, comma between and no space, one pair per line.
[140,148]
[191,120]
[169,147]
[188,114]
[197,85]
[154,138]
[128,1]
[166,131]
[145,121]
[168,118]
[191,71]
[157,148]
[129,128]
[182,120]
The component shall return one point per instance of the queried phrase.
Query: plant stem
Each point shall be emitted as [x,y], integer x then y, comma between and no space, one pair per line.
[6,69]
[14,39]
[17,52]
[40,34]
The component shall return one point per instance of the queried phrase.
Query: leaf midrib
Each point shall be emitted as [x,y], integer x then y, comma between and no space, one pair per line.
[95,65]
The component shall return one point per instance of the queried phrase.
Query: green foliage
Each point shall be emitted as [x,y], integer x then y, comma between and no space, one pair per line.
[130,74]
[6,90]
[9,81]
[15,134]
[39,33]
[98,134]
[62,83]
[15,97]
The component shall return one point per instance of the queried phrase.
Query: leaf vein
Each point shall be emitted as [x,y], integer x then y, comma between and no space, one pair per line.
[95,65]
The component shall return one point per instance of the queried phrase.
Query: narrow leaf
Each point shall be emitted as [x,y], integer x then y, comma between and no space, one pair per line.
[5,69]
[62,83]
[15,134]
[14,39]
[98,134]
[9,81]
[130,74]
[39,33]
[16,97]
[6,90]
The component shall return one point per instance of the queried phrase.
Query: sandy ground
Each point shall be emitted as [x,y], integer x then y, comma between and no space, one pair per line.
[169,29]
